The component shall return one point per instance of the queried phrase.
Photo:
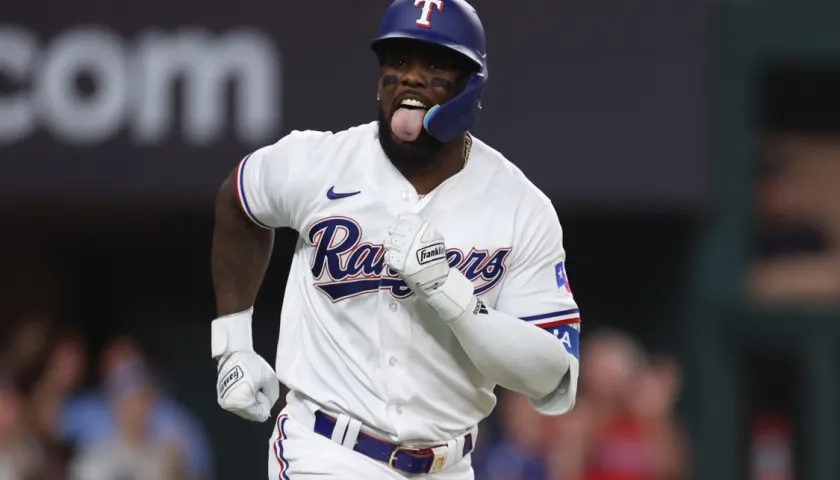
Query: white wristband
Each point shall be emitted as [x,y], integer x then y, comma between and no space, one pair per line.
[231,333]
[454,297]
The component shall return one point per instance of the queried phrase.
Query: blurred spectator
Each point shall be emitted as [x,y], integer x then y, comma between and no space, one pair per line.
[20,456]
[518,452]
[655,402]
[623,425]
[27,343]
[62,374]
[44,364]
[133,452]
[771,449]
[799,210]
[131,428]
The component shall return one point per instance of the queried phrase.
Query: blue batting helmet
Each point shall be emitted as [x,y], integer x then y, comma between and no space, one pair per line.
[453,24]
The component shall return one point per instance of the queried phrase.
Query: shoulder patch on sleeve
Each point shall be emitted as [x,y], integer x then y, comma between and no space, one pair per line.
[561,277]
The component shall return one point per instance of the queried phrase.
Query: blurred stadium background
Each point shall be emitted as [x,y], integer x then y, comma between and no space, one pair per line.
[691,149]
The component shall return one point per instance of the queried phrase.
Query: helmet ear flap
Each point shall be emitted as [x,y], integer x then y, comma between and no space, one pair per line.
[455,117]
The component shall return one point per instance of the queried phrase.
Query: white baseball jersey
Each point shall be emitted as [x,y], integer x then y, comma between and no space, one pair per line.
[352,336]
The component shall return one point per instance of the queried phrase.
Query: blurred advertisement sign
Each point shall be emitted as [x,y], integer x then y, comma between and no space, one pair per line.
[88,83]
[155,101]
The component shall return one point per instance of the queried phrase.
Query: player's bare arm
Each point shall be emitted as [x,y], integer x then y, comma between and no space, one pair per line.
[240,255]
[247,385]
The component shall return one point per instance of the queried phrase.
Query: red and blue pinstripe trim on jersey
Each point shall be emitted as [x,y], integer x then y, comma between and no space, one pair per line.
[240,193]
[555,319]
[278,446]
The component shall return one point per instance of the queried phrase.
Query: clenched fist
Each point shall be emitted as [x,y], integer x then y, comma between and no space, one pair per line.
[247,385]
[416,251]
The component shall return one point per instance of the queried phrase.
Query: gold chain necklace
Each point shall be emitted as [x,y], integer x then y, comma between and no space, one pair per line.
[467,149]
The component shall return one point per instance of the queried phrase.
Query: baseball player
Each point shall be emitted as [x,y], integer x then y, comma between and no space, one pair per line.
[428,270]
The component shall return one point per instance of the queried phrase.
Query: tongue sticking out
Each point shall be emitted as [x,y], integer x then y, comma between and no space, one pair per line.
[407,123]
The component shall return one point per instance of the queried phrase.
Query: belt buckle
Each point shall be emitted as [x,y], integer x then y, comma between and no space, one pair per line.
[395,452]
[393,458]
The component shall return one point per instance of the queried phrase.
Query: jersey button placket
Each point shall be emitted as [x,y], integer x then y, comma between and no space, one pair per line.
[391,340]
[395,345]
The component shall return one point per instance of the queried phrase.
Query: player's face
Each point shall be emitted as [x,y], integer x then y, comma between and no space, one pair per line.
[425,75]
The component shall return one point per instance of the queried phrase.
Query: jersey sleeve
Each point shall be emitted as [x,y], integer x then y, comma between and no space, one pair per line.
[537,288]
[266,182]
[537,291]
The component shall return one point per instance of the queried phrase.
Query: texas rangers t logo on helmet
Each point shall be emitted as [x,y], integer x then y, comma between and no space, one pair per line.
[424,20]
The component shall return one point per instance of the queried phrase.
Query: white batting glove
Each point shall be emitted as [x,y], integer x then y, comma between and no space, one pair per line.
[417,252]
[247,385]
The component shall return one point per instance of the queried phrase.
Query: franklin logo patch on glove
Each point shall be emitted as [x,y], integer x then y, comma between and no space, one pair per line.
[431,253]
[230,379]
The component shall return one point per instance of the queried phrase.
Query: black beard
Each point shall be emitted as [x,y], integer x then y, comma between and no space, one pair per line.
[409,159]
